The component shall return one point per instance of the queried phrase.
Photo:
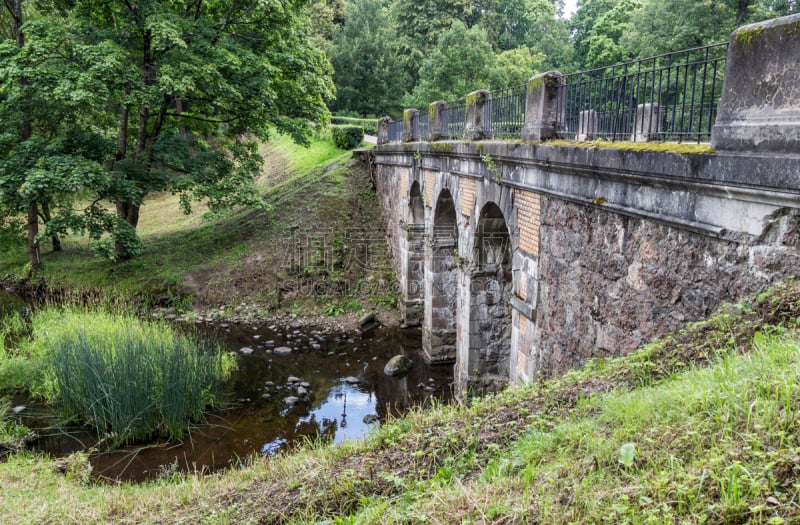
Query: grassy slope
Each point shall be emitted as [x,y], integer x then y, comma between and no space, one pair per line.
[711,413]
[232,259]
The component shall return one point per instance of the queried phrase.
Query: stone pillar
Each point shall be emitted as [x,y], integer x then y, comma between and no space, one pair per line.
[437,125]
[760,106]
[441,289]
[413,285]
[587,124]
[478,124]
[646,124]
[410,128]
[383,130]
[541,106]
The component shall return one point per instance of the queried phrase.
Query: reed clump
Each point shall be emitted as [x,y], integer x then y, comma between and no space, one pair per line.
[129,378]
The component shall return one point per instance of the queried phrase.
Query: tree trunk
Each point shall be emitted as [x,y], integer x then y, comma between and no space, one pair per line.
[128,212]
[33,231]
[25,133]
[46,216]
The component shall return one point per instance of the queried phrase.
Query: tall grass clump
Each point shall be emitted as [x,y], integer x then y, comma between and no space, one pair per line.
[130,378]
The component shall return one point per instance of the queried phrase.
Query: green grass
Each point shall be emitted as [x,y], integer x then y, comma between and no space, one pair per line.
[187,260]
[128,378]
[701,427]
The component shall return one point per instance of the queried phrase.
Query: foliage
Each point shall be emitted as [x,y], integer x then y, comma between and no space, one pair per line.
[125,99]
[129,378]
[517,66]
[367,68]
[370,126]
[347,137]
[461,62]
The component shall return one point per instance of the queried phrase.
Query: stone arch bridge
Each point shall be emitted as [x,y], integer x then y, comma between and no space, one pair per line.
[520,258]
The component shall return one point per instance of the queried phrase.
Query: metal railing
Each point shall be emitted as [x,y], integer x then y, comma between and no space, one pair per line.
[453,119]
[421,126]
[667,97]
[395,131]
[508,112]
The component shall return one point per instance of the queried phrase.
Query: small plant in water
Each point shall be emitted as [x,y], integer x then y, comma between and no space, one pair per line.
[129,378]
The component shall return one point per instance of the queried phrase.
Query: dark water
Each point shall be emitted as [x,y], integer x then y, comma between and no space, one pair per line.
[258,421]
[9,302]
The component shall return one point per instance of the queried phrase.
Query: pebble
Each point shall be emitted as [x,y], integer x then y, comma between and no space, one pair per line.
[265,396]
[305,384]
[352,380]
[256,337]
[316,346]
[283,350]
[269,383]
[246,350]
[18,409]
[302,392]
[293,379]
[291,400]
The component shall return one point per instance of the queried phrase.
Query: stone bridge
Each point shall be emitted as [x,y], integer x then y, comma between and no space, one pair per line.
[522,258]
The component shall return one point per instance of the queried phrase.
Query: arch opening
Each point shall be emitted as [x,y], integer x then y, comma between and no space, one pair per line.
[490,290]
[441,284]
[414,282]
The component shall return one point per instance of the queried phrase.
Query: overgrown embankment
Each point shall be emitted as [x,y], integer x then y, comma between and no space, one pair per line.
[698,428]
[316,247]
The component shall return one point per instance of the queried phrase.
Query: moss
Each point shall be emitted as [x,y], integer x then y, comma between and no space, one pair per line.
[472,98]
[791,29]
[535,83]
[443,147]
[747,35]
[432,113]
[663,147]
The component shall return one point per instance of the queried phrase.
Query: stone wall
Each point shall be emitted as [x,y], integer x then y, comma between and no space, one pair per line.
[609,282]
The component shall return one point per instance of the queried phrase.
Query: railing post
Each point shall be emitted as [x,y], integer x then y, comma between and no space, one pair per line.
[587,124]
[436,124]
[383,130]
[760,105]
[541,106]
[478,122]
[646,123]
[410,129]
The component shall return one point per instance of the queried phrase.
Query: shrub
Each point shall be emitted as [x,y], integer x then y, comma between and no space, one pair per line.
[130,378]
[369,125]
[347,137]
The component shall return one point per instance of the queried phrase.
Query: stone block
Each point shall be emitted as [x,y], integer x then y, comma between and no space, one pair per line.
[760,106]
[383,130]
[646,123]
[478,124]
[437,126]
[541,106]
[587,124]
[410,127]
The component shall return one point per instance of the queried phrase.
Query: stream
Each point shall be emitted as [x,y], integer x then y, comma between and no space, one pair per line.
[348,394]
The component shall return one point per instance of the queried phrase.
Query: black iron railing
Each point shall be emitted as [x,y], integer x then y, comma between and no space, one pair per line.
[508,112]
[395,131]
[666,97]
[453,118]
[421,123]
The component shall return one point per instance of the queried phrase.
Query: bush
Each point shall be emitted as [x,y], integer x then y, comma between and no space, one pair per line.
[369,125]
[130,378]
[347,137]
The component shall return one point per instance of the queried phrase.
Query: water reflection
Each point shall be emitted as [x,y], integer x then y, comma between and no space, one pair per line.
[344,393]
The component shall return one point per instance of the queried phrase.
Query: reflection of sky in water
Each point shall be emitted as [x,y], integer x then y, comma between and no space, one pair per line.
[341,415]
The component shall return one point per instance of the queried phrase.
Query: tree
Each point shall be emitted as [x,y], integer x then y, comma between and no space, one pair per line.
[367,72]
[517,66]
[605,42]
[181,90]
[419,25]
[461,62]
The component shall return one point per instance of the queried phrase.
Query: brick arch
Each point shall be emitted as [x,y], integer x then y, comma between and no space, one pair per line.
[441,280]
